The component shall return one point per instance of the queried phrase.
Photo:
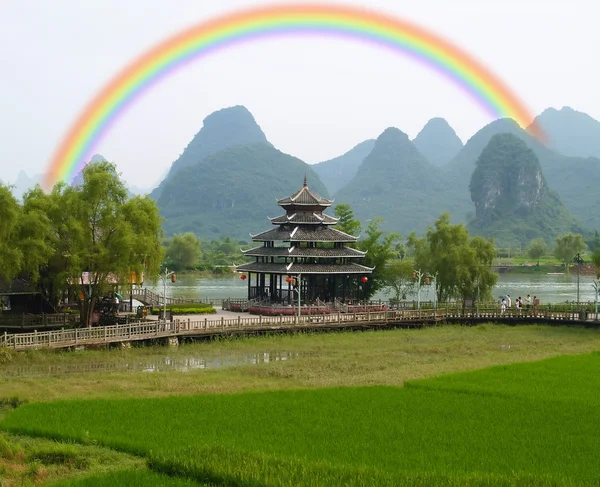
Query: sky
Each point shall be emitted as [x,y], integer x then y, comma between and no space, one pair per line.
[315,98]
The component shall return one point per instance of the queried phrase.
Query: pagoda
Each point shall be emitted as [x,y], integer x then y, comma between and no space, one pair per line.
[313,260]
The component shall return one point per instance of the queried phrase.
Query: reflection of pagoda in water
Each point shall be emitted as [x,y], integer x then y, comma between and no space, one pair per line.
[315,259]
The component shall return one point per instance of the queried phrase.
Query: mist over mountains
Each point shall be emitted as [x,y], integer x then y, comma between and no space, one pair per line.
[226,181]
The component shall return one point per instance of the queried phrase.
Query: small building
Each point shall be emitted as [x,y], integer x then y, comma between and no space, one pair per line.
[313,259]
[19,296]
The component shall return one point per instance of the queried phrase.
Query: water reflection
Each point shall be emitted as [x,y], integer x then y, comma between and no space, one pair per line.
[152,364]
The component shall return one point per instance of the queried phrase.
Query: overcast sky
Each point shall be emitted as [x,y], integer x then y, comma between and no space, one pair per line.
[314,98]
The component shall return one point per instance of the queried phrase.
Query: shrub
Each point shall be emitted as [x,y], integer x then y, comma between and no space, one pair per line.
[189,309]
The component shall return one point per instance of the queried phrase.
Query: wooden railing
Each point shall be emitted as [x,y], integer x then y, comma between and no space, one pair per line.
[22,321]
[151,298]
[182,327]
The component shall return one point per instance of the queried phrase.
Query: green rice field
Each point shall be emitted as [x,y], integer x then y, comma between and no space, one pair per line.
[523,424]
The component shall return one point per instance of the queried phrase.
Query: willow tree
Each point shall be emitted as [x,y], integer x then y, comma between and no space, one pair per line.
[99,236]
[380,250]
[11,255]
[463,265]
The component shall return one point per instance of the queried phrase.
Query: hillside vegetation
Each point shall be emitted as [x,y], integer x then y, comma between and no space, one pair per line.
[512,200]
[232,192]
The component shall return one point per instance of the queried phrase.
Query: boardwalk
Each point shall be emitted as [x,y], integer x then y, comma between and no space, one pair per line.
[182,328]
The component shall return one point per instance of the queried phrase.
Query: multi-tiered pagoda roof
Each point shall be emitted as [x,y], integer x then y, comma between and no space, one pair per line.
[314,245]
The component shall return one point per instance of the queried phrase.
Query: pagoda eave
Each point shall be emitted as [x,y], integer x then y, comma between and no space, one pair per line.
[294,269]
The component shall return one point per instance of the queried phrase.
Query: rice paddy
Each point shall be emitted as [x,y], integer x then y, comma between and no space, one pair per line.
[522,424]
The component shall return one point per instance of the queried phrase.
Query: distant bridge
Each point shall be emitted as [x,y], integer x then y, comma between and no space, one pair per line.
[186,328]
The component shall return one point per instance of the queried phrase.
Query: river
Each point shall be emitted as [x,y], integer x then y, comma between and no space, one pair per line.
[547,287]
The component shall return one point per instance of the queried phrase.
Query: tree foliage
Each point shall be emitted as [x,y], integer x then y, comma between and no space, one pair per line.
[86,239]
[11,255]
[347,223]
[379,246]
[398,278]
[463,265]
[596,261]
[568,246]
[537,249]
[183,251]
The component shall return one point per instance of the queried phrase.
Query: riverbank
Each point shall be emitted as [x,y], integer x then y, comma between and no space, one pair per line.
[555,269]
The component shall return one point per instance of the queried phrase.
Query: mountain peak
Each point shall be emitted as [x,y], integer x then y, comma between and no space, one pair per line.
[571,132]
[336,173]
[224,128]
[220,130]
[511,197]
[392,133]
[438,141]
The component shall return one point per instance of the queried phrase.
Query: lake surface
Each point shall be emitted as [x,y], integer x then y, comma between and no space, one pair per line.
[548,288]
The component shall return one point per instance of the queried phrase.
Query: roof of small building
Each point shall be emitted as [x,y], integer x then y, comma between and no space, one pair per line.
[16,286]
[303,218]
[305,197]
[304,233]
[304,252]
[292,268]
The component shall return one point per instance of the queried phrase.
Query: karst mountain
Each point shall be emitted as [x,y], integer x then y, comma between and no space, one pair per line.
[438,142]
[513,202]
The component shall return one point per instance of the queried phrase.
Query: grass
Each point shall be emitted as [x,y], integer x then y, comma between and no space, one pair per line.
[320,360]
[31,461]
[128,478]
[503,426]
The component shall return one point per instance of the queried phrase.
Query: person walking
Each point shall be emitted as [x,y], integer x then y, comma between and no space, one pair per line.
[503,306]
[508,301]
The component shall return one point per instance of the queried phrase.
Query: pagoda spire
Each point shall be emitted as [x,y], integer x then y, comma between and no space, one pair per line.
[305,184]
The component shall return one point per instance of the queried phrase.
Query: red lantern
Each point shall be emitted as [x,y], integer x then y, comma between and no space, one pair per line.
[288,279]
[243,277]
[173,277]
[364,278]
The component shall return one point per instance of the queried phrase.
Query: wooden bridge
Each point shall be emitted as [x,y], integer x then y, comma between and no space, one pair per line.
[186,328]
[151,298]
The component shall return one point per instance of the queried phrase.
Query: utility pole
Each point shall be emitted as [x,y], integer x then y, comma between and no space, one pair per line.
[164,278]
[299,294]
[595,284]
[578,260]
[418,275]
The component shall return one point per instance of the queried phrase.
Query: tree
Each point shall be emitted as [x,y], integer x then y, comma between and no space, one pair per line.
[380,250]
[99,236]
[347,223]
[183,251]
[537,248]
[398,278]
[463,265]
[11,254]
[568,246]
[596,261]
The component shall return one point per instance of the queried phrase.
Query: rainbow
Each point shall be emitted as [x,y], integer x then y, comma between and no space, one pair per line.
[400,35]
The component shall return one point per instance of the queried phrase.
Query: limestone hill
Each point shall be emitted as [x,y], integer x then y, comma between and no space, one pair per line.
[575,179]
[233,191]
[512,201]
[397,183]
[570,132]
[336,173]
[438,142]
[221,129]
